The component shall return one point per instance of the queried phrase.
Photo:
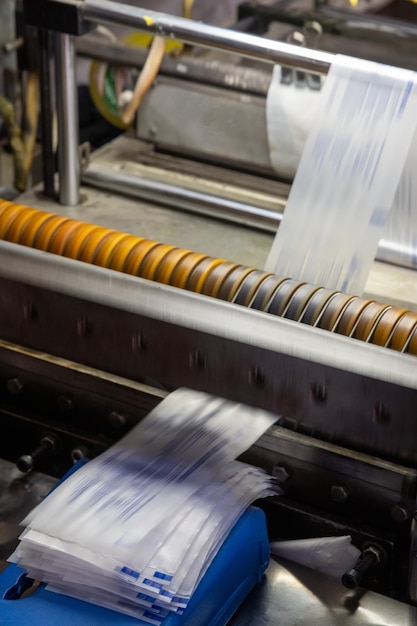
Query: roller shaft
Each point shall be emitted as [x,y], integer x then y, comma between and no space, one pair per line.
[366,320]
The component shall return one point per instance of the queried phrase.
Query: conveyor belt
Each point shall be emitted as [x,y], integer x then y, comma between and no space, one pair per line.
[349,315]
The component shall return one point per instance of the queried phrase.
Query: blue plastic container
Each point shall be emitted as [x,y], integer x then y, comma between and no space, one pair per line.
[237,568]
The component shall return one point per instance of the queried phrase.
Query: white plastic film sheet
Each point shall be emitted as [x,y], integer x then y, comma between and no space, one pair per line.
[348,174]
[400,237]
[136,528]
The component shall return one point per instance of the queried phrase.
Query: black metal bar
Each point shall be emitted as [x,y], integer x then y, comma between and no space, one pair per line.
[48,160]
[247,79]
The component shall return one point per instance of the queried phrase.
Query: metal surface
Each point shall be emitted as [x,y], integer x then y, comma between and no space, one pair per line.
[315,469]
[19,494]
[202,203]
[143,297]
[203,70]
[8,59]
[91,315]
[208,123]
[397,252]
[166,264]
[78,406]
[197,33]
[59,16]
[183,198]
[48,158]
[67,110]
[289,594]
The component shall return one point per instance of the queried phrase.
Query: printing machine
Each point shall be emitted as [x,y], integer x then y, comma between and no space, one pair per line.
[97,326]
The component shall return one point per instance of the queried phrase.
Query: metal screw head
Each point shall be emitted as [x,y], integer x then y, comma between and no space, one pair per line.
[400,513]
[257,376]
[382,414]
[280,473]
[78,453]
[138,342]
[339,493]
[51,443]
[25,464]
[29,312]
[319,392]
[197,360]
[84,328]
[15,386]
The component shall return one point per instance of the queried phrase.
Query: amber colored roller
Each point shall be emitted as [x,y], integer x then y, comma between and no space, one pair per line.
[250,286]
[266,292]
[402,332]
[62,236]
[47,230]
[121,251]
[165,271]
[316,306]
[185,267]
[411,347]
[198,275]
[23,227]
[152,261]
[83,242]
[29,233]
[334,311]
[137,255]
[283,295]
[232,284]
[368,321]
[300,301]
[349,315]
[386,325]
[217,276]
[8,216]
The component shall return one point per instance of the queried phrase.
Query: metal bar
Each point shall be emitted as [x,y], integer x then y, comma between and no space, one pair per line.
[397,253]
[184,198]
[217,207]
[67,109]
[48,161]
[205,71]
[196,312]
[199,34]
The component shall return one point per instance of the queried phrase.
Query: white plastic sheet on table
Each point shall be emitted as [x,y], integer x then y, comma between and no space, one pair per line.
[136,528]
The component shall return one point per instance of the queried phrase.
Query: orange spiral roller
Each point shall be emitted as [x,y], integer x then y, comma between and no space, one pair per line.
[365,320]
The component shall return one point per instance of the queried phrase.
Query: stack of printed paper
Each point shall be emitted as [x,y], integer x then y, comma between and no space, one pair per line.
[136,529]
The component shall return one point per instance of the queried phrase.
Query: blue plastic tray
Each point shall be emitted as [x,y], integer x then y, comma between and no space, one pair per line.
[236,569]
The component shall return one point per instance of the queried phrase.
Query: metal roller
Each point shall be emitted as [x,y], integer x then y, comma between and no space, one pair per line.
[317,305]
[249,288]
[333,311]
[349,315]
[402,332]
[369,320]
[300,302]
[265,294]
